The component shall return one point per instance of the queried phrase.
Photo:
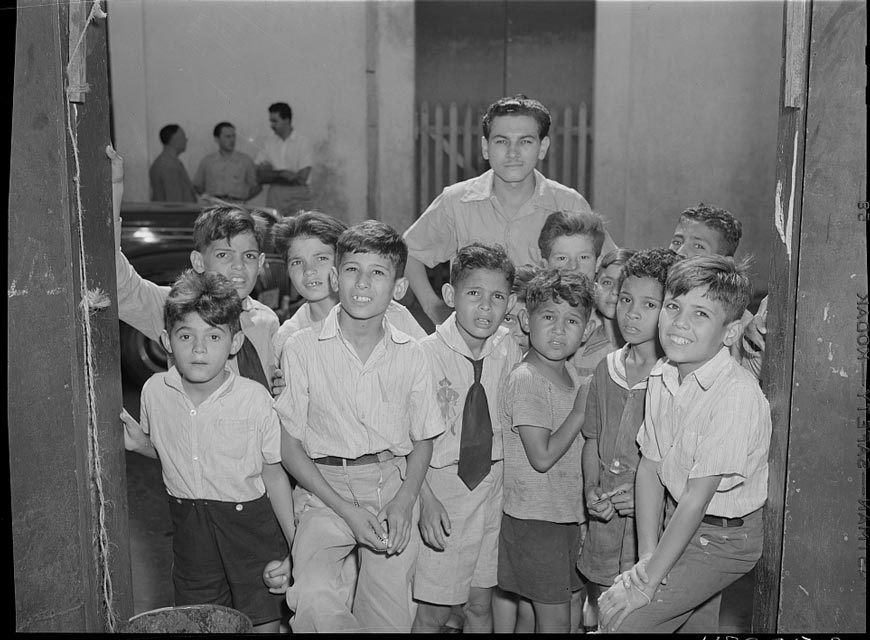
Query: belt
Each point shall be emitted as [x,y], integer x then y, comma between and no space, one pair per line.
[719,521]
[369,458]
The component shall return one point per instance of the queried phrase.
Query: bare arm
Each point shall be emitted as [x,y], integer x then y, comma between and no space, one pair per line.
[431,302]
[650,501]
[281,497]
[543,447]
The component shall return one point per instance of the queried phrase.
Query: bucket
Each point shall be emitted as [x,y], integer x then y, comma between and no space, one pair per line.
[194,618]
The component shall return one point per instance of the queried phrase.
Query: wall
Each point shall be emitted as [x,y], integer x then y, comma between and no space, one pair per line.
[197,62]
[686,97]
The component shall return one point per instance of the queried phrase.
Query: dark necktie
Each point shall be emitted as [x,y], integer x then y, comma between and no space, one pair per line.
[475,444]
[250,365]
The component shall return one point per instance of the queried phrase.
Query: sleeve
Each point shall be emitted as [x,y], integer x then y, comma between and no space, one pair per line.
[305,154]
[728,442]
[432,238]
[399,315]
[591,422]
[140,301]
[270,433]
[143,409]
[531,404]
[250,173]
[646,434]
[292,404]
[262,156]
[424,414]
[199,176]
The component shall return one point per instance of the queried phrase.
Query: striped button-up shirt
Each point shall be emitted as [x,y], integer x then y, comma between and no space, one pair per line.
[214,450]
[715,423]
[337,405]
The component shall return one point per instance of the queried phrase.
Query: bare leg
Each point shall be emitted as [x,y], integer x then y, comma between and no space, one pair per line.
[525,616]
[504,611]
[430,618]
[478,611]
[552,618]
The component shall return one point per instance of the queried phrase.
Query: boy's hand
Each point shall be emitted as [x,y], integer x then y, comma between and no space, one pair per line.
[278,383]
[134,437]
[117,164]
[434,523]
[622,499]
[366,528]
[397,514]
[276,575]
[617,602]
[756,331]
[598,504]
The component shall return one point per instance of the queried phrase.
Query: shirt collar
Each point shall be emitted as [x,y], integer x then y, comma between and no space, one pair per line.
[448,332]
[331,328]
[616,368]
[480,188]
[705,375]
[173,380]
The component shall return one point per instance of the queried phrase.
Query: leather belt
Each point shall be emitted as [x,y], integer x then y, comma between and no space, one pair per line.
[370,458]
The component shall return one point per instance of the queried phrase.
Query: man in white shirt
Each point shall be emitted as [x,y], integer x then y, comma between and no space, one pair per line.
[284,163]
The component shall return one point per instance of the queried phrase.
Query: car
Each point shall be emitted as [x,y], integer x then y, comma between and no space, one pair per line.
[157,238]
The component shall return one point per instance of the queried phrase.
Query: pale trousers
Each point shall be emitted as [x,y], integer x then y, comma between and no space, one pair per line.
[319,595]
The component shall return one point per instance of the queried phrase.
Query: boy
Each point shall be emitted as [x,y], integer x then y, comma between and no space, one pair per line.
[507,204]
[461,497]
[614,412]
[522,277]
[358,415]
[307,244]
[227,241]
[218,441]
[708,230]
[704,443]
[541,413]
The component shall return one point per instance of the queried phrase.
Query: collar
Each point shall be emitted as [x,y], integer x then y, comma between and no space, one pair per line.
[247,304]
[616,368]
[331,329]
[480,188]
[173,380]
[448,332]
[705,375]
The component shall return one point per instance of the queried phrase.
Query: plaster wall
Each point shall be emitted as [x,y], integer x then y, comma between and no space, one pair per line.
[686,103]
[198,62]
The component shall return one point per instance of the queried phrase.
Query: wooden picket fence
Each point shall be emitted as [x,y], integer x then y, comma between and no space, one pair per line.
[448,147]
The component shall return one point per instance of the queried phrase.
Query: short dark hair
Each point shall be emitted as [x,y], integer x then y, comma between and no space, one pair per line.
[565,223]
[306,224]
[220,126]
[210,295]
[373,236]
[167,132]
[560,286]
[282,109]
[720,220]
[479,255]
[219,222]
[727,282]
[518,105]
[651,263]
[617,257]
[524,275]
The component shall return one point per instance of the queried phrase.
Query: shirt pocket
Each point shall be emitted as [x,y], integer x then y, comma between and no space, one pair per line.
[231,438]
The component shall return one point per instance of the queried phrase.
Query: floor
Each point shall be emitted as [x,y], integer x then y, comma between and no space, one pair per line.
[151,550]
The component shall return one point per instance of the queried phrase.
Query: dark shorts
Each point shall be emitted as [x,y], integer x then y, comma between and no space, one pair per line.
[219,551]
[537,559]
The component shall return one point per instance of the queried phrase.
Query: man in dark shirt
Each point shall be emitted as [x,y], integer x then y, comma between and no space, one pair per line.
[169,179]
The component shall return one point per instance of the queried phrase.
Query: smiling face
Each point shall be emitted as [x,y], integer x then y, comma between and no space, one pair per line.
[481,299]
[237,258]
[573,253]
[309,262]
[555,330]
[366,282]
[693,238]
[514,148]
[607,290]
[637,311]
[693,328]
[200,352]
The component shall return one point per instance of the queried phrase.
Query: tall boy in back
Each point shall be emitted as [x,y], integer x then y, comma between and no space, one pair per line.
[707,230]
[614,412]
[219,443]
[704,444]
[307,244]
[227,241]
[359,415]
[541,412]
[461,497]
[506,205]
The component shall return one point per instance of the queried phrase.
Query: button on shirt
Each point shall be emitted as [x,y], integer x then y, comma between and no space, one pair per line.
[141,302]
[469,211]
[337,405]
[716,422]
[454,374]
[226,174]
[216,450]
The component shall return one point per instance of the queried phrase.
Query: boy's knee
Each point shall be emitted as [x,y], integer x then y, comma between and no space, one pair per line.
[430,617]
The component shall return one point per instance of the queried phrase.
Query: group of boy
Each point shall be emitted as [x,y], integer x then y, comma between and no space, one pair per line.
[283,163]
[438,471]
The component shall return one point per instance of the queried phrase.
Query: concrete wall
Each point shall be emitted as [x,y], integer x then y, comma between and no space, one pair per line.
[197,62]
[686,104]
